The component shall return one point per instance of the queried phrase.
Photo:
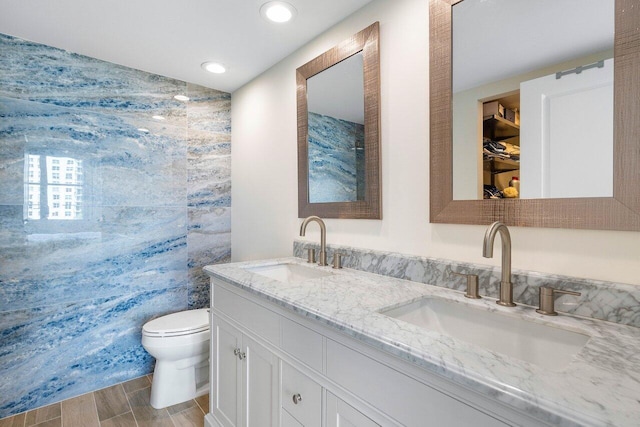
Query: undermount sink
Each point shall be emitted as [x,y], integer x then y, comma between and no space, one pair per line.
[288,273]
[546,346]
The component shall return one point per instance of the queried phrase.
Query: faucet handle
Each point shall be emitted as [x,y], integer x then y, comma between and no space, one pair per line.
[472,285]
[337,259]
[311,255]
[547,298]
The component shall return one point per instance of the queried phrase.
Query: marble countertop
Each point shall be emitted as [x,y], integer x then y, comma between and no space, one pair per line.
[600,387]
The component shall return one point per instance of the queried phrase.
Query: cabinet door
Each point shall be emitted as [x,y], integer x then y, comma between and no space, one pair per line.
[340,414]
[260,379]
[226,383]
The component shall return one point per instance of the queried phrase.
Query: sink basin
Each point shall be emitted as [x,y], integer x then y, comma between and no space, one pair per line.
[288,273]
[546,346]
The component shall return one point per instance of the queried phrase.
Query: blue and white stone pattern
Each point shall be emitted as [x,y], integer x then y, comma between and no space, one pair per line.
[153,207]
[613,302]
[336,159]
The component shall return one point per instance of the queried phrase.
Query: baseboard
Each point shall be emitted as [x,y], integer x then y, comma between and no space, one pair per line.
[209,421]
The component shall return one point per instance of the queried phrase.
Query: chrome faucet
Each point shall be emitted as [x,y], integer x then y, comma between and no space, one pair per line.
[323,237]
[506,287]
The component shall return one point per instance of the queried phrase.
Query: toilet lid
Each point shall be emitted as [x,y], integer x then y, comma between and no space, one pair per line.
[181,323]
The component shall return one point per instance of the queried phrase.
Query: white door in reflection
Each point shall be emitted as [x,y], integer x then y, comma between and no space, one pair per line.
[53,187]
[566,135]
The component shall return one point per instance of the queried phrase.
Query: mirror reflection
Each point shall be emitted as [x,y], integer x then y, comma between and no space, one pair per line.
[54,187]
[338,111]
[335,99]
[532,99]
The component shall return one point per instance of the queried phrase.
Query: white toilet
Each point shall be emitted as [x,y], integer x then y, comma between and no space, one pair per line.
[180,344]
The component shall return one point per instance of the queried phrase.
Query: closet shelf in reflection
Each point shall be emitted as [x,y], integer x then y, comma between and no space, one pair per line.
[498,128]
[496,166]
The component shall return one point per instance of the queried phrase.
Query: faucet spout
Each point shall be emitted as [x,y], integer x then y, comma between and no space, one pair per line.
[323,237]
[506,287]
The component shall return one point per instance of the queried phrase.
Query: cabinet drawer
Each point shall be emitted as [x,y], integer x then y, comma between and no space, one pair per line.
[302,343]
[308,409]
[289,421]
[340,414]
[409,401]
[254,317]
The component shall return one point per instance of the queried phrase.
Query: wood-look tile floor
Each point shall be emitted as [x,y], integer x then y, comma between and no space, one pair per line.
[121,405]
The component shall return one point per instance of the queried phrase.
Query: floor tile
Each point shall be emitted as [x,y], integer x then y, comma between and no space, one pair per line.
[56,422]
[203,402]
[122,405]
[124,420]
[111,402]
[80,412]
[193,417]
[15,421]
[136,384]
[182,407]
[45,413]
[145,415]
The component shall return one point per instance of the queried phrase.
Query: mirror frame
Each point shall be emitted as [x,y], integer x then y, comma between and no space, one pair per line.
[367,42]
[620,212]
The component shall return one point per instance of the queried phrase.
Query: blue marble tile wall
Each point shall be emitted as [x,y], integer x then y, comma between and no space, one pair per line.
[106,216]
[336,159]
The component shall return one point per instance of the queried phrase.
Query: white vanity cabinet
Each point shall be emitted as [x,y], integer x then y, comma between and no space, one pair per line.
[301,396]
[245,382]
[272,367]
[341,414]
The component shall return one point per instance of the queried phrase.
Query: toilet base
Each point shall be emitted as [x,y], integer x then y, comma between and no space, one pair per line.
[179,382]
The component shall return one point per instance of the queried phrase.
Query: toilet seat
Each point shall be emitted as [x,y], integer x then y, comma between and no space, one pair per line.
[178,324]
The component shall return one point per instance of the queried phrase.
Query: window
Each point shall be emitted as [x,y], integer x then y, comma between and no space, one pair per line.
[47,168]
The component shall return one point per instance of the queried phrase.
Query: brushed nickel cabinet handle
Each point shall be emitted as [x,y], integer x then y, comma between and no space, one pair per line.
[297,398]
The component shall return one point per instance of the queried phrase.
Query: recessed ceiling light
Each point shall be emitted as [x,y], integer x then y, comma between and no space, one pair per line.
[158,118]
[214,67]
[278,11]
[181,98]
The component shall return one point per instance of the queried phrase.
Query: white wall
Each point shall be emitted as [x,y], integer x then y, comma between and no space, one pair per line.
[264,168]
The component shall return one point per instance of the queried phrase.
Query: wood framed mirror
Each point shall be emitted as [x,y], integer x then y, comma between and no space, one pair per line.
[338,100]
[619,212]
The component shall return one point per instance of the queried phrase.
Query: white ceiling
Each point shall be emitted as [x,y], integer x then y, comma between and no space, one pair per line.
[173,37]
